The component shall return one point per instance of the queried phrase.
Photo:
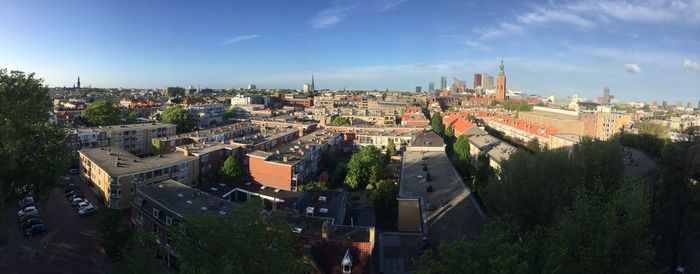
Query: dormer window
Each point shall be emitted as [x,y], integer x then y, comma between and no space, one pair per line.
[156,213]
[347,262]
[168,220]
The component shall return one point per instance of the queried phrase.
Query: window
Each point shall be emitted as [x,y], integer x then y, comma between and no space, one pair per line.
[139,201]
[139,217]
[347,269]
[168,220]
[156,212]
[183,166]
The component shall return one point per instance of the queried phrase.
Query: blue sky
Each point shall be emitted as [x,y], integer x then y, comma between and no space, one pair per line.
[644,50]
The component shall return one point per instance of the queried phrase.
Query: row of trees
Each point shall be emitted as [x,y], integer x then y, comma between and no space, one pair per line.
[560,211]
[103,113]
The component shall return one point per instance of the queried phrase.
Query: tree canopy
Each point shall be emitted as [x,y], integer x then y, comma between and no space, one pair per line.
[391,147]
[461,155]
[340,121]
[385,204]
[557,212]
[33,152]
[101,113]
[436,124]
[180,117]
[232,170]
[364,167]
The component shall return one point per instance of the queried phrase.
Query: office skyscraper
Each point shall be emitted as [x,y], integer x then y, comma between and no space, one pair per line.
[431,87]
[606,95]
[477,80]
[501,83]
[418,89]
[443,83]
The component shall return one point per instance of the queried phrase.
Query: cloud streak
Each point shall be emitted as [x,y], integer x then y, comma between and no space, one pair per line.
[691,65]
[241,38]
[327,18]
[633,68]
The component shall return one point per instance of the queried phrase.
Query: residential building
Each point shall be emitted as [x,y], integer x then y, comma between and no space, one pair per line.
[134,138]
[497,150]
[161,209]
[217,134]
[295,163]
[173,91]
[207,115]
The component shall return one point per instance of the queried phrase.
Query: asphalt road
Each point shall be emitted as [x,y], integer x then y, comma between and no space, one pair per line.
[72,240]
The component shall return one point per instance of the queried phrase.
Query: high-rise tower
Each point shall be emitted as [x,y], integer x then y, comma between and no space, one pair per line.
[501,84]
[313,88]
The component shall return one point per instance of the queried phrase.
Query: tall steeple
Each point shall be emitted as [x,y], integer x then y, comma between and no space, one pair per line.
[313,88]
[78,82]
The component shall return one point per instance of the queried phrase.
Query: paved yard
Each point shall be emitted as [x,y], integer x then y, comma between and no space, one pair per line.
[68,247]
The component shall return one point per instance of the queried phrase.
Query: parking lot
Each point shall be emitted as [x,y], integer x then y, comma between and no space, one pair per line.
[69,245]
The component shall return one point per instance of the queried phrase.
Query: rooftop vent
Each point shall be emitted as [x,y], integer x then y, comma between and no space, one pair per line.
[222,212]
[248,183]
[277,190]
[214,189]
[203,208]
[180,195]
[189,202]
[310,211]
[263,187]
[322,198]
[323,210]
[222,184]
[160,185]
[297,230]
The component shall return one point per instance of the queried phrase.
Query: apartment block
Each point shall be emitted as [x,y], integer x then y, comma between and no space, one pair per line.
[497,150]
[294,163]
[563,120]
[113,172]
[160,210]
[217,134]
[134,138]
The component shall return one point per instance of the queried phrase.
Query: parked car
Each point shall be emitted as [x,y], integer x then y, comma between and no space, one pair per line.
[88,210]
[70,188]
[25,200]
[26,217]
[73,171]
[35,230]
[77,201]
[27,203]
[29,223]
[27,210]
[84,203]
[74,191]
[76,195]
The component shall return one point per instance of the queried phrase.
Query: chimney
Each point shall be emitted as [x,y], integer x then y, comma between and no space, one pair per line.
[186,151]
[230,142]
[285,159]
[325,230]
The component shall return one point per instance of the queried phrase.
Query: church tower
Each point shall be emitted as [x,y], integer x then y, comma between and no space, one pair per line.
[78,82]
[501,84]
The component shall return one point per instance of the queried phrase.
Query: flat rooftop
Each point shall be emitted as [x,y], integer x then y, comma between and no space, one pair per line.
[117,161]
[123,127]
[312,226]
[445,181]
[183,200]
[427,139]
[329,204]
[294,151]
[264,136]
[209,132]
[550,114]
[496,148]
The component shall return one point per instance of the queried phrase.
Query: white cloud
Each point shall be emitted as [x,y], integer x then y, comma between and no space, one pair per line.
[392,4]
[692,65]
[327,18]
[239,39]
[544,16]
[633,68]
[503,29]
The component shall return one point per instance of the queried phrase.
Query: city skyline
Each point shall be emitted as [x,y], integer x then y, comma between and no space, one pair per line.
[563,48]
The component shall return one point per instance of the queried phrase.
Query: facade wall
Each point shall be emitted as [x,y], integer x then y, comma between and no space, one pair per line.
[270,174]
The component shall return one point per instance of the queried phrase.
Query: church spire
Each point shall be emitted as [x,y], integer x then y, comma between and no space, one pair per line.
[502,71]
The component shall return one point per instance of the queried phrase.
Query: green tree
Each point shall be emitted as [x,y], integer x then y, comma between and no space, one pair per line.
[114,235]
[338,175]
[139,255]
[436,124]
[33,152]
[101,113]
[385,204]
[483,173]
[231,114]
[157,146]
[364,167]
[533,145]
[495,250]
[391,147]
[232,170]
[180,117]
[450,132]
[461,155]
[133,117]
[340,121]
[241,241]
